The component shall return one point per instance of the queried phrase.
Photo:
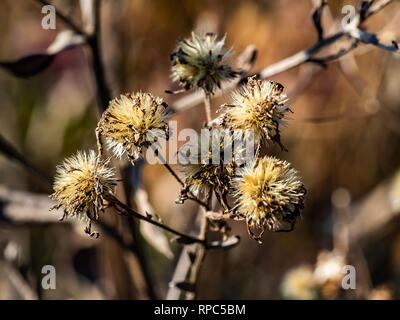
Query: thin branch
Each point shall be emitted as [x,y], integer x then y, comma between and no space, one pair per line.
[317,17]
[130,212]
[201,251]
[335,56]
[65,19]
[371,38]
[168,167]
[25,291]
[299,58]
[308,54]
[173,173]
[103,91]
[12,153]
[207,106]
[378,7]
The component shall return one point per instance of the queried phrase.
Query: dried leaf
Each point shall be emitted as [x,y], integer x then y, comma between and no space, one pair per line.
[184,285]
[31,65]
[228,243]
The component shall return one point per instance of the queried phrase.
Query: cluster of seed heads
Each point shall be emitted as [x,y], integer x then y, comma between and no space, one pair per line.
[267,193]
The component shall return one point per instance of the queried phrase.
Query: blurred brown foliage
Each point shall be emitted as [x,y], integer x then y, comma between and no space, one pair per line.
[345,132]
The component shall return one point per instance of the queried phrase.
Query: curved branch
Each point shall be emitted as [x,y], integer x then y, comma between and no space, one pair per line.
[65,19]
[125,210]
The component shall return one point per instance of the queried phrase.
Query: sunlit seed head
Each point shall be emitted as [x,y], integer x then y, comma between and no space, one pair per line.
[299,284]
[260,106]
[132,122]
[81,183]
[329,267]
[269,194]
[202,174]
[201,62]
[328,273]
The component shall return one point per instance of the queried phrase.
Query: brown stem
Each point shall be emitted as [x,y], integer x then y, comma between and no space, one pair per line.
[103,91]
[65,19]
[173,173]
[99,142]
[207,106]
[130,212]
[201,251]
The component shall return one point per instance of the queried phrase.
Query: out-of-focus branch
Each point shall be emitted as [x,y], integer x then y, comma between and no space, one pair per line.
[71,24]
[21,286]
[185,262]
[374,9]
[198,257]
[317,19]
[12,153]
[22,207]
[373,214]
[353,34]
[26,208]
[94,42]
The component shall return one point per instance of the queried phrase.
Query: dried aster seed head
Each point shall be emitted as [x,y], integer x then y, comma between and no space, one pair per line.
[206,171]
[269,194]
[201,62]
[132,122]
[259,106]
[81,184]
[298,283]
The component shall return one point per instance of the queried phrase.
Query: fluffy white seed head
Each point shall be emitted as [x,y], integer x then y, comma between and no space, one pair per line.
[260,106]
[205,169]
[81,183]
[132,122]
[201,62]
[269,194]
[299,284]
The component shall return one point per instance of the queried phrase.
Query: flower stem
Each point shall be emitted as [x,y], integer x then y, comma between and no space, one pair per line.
[207,106]
[201,251]
[173,173]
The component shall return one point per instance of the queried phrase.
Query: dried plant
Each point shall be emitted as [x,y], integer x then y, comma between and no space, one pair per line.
[201,62]
[259,107]
[269,193]
[265,193]
[132,122]
[81,185]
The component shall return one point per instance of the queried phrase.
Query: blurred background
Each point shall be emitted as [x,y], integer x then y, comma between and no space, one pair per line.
[343,137]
